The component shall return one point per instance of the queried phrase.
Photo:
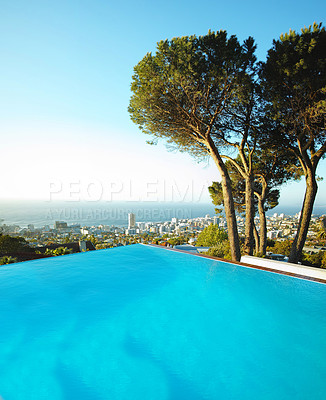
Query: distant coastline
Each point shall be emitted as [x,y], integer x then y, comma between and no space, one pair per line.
[41,213]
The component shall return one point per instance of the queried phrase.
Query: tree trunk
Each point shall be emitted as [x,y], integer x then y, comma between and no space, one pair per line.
[257,241]
[263,227]
[306,211]
[250,214]
[228,205]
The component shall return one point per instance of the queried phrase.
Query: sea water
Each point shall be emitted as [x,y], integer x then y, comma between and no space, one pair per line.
[41,213]
[140,322]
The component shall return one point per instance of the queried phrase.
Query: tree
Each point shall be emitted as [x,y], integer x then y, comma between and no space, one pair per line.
[294,86]
[315,260]
[191,93]
[270,170]
[211,236]
[281,247]
[10,245]
[175,241]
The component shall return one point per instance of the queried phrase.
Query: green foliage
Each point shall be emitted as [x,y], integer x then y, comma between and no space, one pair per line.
[197,93]
[281,247]
[322,223]
[200,95]
[59,251]
[211,235]
[67,239]
[270,169]
[270,242]
[220,250]
[180,91]
[7,260]
[321,234]
[315,260]
[93,239]
[175,241]
[9,245]
[103,246]
[238,191]
[294,85]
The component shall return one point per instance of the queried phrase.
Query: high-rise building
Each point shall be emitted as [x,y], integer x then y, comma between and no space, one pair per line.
[131,221]
[216,221]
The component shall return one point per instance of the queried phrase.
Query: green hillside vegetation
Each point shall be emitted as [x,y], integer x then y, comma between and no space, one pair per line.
[10,245]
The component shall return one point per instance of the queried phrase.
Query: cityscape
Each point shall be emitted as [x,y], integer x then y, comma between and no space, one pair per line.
[279,227]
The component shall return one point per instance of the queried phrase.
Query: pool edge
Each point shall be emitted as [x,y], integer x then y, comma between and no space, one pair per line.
[276,271]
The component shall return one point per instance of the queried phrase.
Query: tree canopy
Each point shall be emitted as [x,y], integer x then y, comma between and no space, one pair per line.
[196,93]
[211,235]
[293,80]
[209,97]
[11,245]
[184,91]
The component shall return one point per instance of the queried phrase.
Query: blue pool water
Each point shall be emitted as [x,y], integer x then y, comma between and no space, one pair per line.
[146,323]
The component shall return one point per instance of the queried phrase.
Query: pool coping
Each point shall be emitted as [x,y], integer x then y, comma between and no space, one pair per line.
[247,265]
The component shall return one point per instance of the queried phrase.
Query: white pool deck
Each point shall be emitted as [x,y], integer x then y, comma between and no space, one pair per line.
[302,270]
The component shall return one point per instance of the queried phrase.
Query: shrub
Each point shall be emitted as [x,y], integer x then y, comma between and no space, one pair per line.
[9,244]
[220,250]
[211,236]
[281,247]
[7,260]
[315,260]
[59,251]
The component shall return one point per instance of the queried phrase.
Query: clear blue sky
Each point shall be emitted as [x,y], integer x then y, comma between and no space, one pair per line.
[65,86]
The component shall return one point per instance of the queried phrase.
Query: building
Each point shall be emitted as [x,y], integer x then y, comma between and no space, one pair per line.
[141,226]
[216,221]
[131,231]
[131,221]
[273,234]
[85,231]
[60,225]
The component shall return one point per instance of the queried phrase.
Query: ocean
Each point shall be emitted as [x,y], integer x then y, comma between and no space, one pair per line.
[41,213]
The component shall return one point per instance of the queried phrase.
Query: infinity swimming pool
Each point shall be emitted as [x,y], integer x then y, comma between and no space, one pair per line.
[140,322]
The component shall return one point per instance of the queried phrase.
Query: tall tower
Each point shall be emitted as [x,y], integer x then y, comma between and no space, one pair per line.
[216,220]
[131,221]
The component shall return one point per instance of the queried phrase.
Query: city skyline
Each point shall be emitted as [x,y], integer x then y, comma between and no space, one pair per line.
[66,86]
[278,226]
